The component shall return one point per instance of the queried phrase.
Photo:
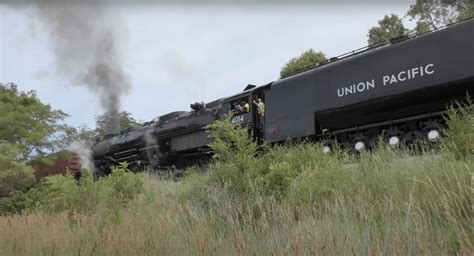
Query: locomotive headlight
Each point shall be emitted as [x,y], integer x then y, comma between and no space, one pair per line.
[393,141]
[326,150]
[433,135]
[359,146]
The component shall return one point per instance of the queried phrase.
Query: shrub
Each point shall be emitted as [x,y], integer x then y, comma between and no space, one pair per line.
[106,196]
[60,193]
[301,166]
[231,143]
[459,139]
[119,188]
[322,176]
[235,151]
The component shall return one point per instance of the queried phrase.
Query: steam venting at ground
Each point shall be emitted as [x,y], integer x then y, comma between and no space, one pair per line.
[84,152]
[87,46]
[152,148]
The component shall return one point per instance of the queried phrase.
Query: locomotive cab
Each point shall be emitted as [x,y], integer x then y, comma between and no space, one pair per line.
[235,105]
[249,118]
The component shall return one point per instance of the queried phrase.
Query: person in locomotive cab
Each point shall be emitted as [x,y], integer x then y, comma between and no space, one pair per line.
[245,105]
[260,107]
[238,108]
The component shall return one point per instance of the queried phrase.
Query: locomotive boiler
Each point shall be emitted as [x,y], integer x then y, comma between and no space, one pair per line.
[397,90]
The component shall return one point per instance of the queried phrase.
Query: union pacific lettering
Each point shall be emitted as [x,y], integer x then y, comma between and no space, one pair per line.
[352,89]
[408,74]
[390,79]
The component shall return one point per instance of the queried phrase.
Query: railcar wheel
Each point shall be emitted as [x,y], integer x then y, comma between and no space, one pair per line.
[359,146]
[431,124]
[433,135]
[432,128]
[359,141]
[393,135]
[394,141]
[328,144]
[346,145]
[413,136]
[327,149]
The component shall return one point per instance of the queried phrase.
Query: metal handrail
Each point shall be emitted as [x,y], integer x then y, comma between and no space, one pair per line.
[411,35]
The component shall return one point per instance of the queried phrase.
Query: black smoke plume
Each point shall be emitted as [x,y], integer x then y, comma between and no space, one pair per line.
[87,45]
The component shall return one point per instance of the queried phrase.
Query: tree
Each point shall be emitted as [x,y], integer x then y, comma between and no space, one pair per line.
[81,133]
[422,27]
[28,123]
[436,13]
[14,176]
[307,59]
[16,179]
[389,27]
[126,121]
[467,10]
[88,137]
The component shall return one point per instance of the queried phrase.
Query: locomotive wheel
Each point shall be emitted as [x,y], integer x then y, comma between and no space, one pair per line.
[98,173]
[136,168]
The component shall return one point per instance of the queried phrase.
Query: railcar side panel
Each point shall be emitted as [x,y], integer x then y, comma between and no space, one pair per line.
[422,73]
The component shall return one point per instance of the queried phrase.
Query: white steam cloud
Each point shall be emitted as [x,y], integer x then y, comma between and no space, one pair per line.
[84,152]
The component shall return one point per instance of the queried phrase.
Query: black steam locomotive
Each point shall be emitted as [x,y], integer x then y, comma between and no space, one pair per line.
[399,90]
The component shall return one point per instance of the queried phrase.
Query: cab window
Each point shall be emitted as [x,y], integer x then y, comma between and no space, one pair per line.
[240,106]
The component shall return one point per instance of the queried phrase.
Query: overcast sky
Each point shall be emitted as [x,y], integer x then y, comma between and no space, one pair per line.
[177,54]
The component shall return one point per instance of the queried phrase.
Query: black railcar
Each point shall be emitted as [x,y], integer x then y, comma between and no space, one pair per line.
[398,89]
[380,88]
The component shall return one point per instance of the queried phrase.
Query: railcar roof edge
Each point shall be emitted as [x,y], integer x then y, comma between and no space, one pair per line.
[370,48]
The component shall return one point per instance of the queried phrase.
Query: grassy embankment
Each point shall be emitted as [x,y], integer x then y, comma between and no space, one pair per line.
[290,200]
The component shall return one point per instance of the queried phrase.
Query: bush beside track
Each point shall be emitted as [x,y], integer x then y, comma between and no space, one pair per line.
[291,199]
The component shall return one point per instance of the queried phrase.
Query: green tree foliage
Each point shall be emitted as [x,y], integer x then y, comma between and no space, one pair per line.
[422,27]
[81,133]
[467,9]
[90,136]
[15,179]
[14,176]
[307,59]
[432,14]
[28,129]
[28,123]
[126,121]
[389,27]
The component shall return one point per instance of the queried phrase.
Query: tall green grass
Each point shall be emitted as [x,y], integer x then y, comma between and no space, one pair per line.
[274,200]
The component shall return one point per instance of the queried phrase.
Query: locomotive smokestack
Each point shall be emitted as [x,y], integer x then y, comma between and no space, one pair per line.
[87,45]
